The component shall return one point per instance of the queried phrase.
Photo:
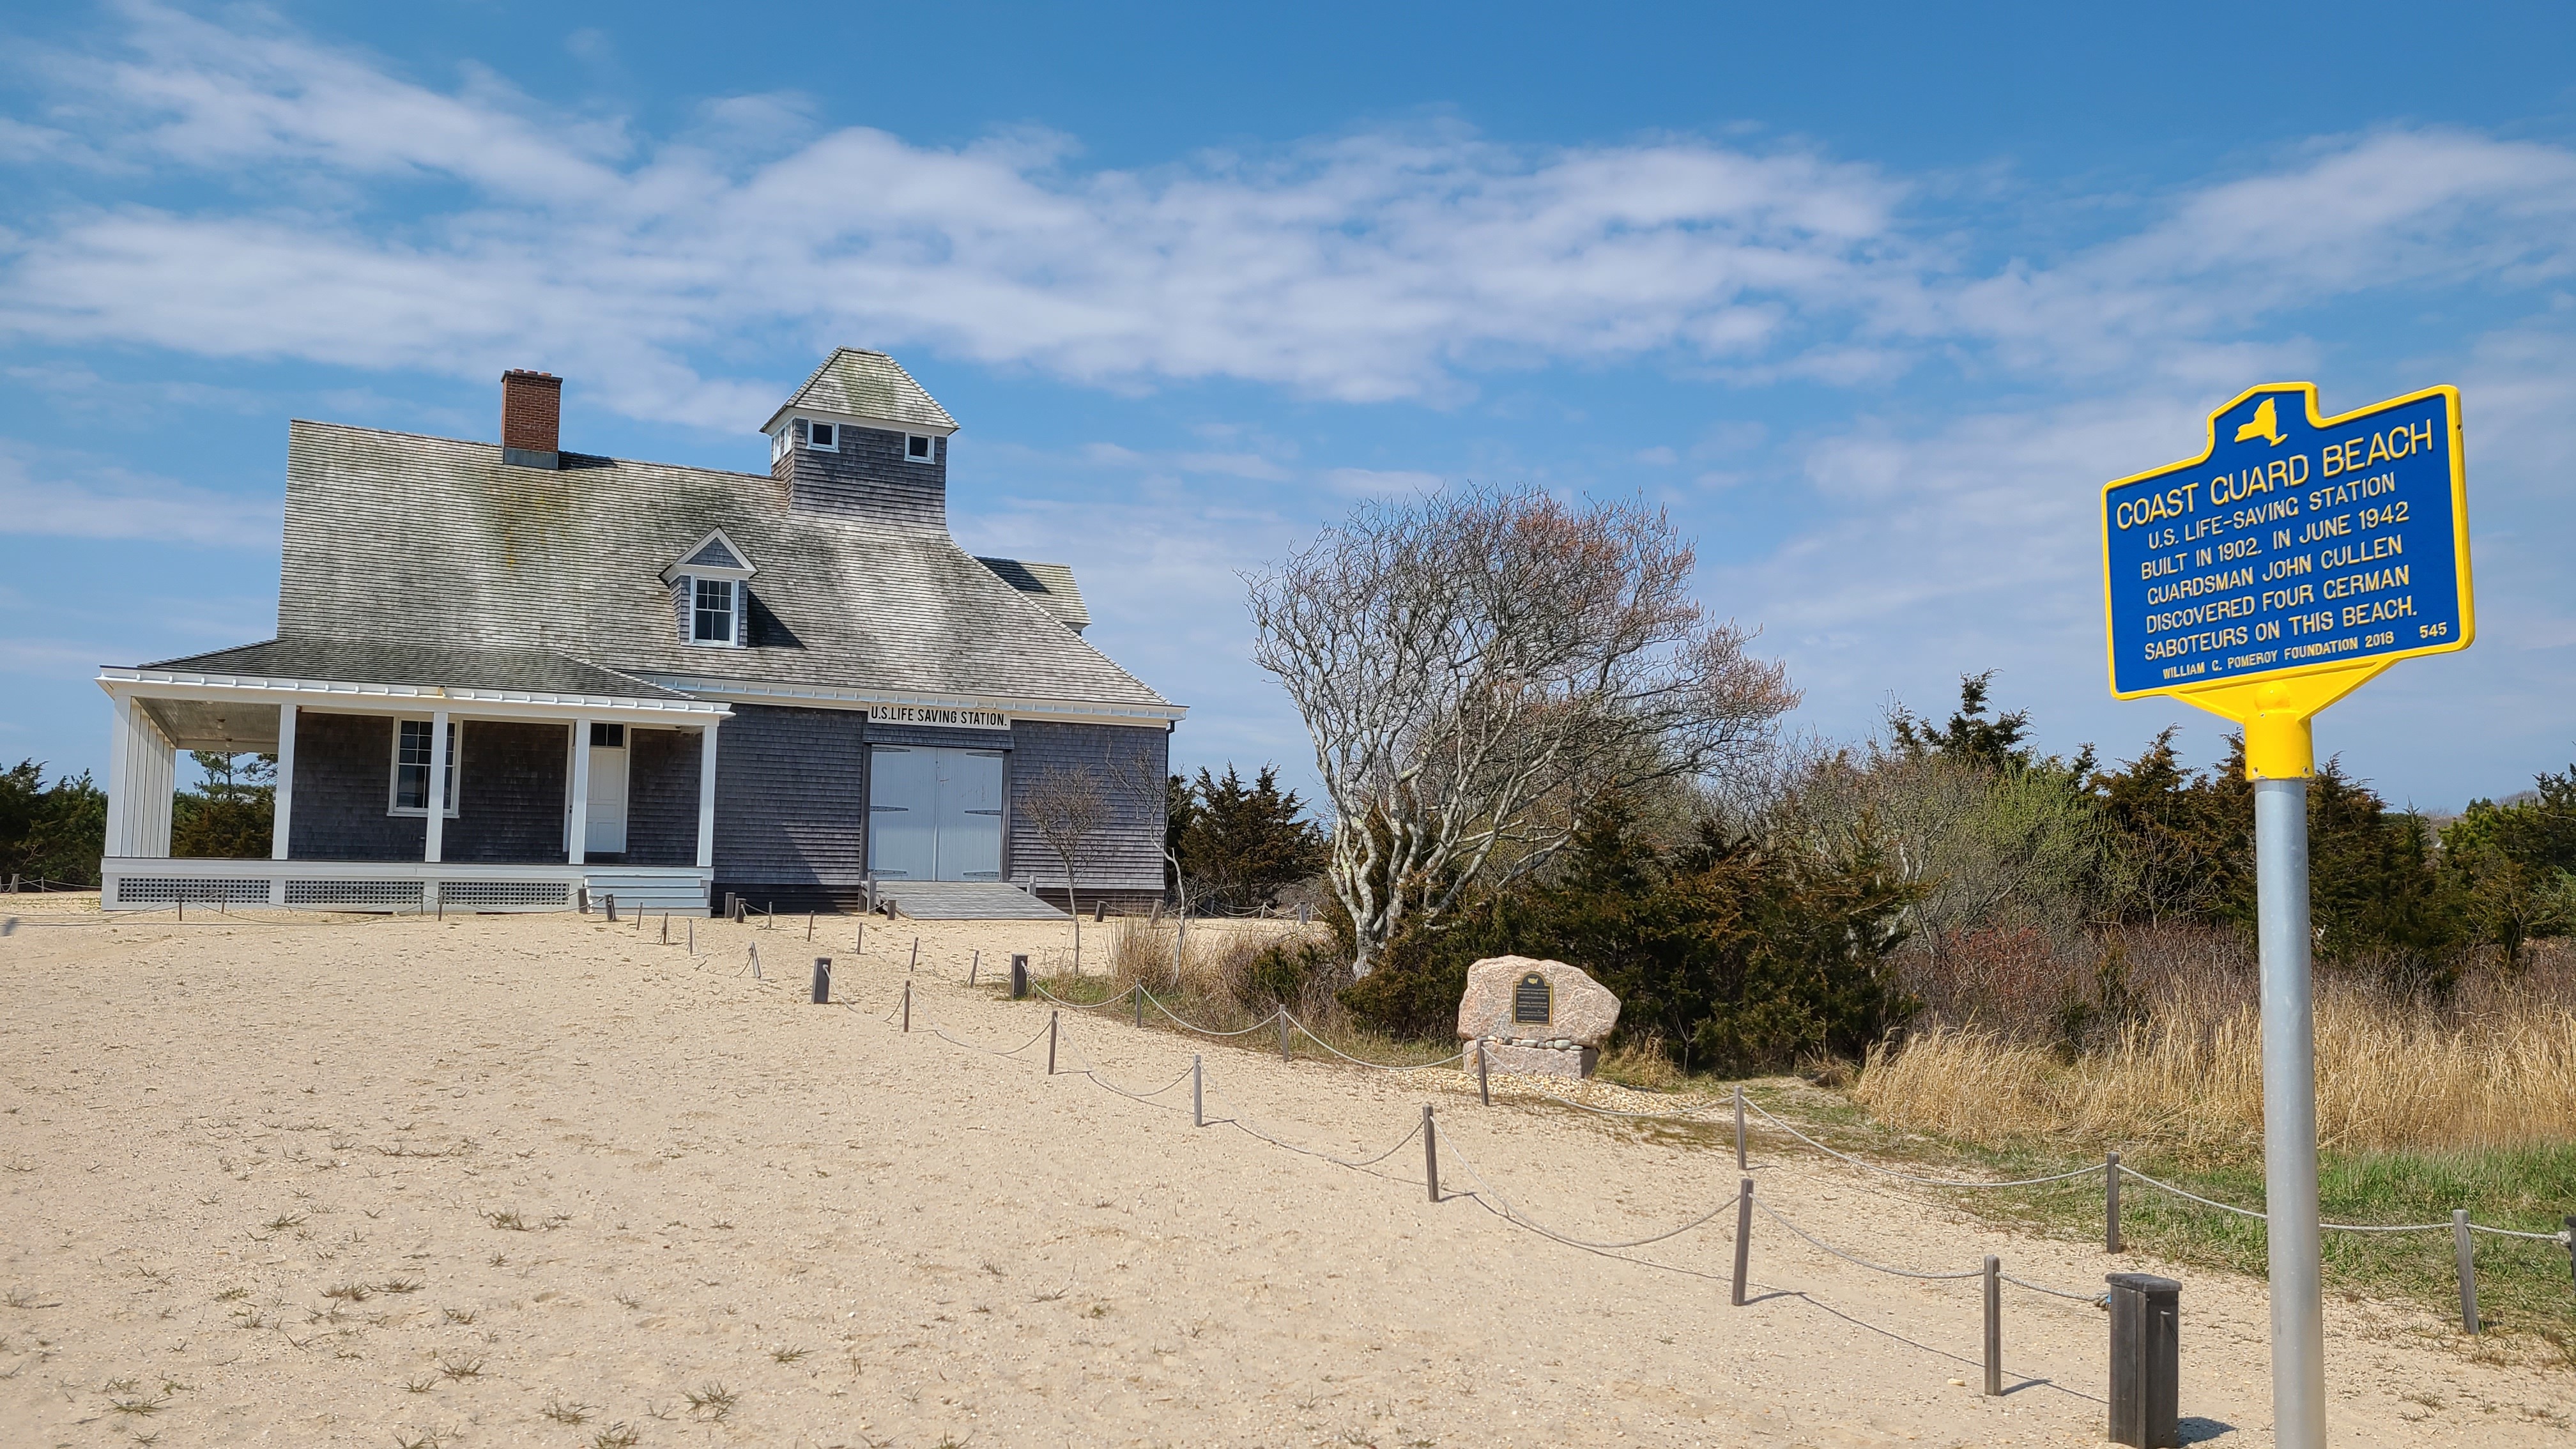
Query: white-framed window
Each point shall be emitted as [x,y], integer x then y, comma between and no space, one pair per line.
[779,442]
[920,448]
[711,611]
[410,793]
[823,437]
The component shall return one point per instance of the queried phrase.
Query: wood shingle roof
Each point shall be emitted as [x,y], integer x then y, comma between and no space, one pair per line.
[402,539]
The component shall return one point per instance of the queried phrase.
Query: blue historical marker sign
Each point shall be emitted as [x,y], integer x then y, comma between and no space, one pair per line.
[2296,543]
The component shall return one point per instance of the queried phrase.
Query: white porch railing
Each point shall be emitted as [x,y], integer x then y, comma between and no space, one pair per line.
[139,883]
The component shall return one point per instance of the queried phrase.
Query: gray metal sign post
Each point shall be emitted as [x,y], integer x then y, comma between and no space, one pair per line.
[2290,1115]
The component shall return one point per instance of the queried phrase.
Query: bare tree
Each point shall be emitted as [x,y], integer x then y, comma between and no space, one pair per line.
[1475,669]
[1068,810]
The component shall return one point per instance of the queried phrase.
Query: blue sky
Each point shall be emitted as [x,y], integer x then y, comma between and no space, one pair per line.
[1872,300]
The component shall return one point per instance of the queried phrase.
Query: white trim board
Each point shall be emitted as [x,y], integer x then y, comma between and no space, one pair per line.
[819,696]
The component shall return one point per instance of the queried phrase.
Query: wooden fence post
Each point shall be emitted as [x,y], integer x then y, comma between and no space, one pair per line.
[1743,1234]
[1994,1326]
[1430,1153]
[2111,1203]
[907,1005]
[822,981]
[1051,1016]
[1739,1130]
[1484,1081]
[2465,1248]
[1198,1092]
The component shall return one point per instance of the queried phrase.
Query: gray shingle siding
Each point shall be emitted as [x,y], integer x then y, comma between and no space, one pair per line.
[510,792]
[868,478]
[1126,855]
[343,782]
[662,795]
[793,802]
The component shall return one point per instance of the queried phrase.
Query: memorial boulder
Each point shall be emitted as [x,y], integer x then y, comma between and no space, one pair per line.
[1535,1016]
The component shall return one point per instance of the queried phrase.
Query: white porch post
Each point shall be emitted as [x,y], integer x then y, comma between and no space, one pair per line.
[707,798]
[438,727]
[120,788]
[282,801]
[577,849]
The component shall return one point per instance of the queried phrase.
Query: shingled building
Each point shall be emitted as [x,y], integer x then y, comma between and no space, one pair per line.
[505,672]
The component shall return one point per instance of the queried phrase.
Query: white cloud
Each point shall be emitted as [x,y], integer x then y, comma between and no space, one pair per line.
[111,502]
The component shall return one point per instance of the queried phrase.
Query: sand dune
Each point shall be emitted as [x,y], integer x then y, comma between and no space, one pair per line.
[534,1180]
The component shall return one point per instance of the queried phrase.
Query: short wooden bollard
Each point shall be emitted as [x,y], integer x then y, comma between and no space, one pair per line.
[1099,911]
[822,981]
[755,960]
[612,908]
[809,925]
[1051,1016]
[2146,1360]
[1994,1283]
[2465,1248]
[2111,1203]
[861,944]
[2571,1246]
[915,963]
[1283,1034]
[666,928]
[581,899]
[907,1006]
[741,912]
[1739,1131]
[1140,1005]
[1198,1092]
[1019,978]
[639,915]
[1484,1081]
[1430,1154]
[693,935]
[973,966]
[1743,1234]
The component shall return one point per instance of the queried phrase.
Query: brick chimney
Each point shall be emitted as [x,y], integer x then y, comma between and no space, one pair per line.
[531,418]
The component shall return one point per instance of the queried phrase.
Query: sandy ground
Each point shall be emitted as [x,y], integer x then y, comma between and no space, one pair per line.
[529,1180]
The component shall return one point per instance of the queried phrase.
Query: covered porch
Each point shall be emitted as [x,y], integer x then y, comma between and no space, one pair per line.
[418,779]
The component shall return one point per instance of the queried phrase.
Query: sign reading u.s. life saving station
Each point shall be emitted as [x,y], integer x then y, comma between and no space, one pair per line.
[2295,543]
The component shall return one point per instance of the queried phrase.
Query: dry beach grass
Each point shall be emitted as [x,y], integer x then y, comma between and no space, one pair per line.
[534,1180]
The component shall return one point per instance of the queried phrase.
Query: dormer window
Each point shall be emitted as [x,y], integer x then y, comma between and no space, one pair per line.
[711,622]
[710,593]
[823,437]
[918,448]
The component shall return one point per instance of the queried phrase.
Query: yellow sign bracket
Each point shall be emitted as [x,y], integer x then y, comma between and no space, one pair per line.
[2277,715]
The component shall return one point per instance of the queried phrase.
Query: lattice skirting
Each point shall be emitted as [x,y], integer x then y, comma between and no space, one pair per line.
[362,893]
[504,895]
[140,890]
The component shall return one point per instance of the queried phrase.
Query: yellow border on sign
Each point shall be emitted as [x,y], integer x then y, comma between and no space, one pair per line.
[2275,706]
[2459,537]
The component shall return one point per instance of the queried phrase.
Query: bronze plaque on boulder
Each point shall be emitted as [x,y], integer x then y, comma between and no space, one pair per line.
[1532,1003]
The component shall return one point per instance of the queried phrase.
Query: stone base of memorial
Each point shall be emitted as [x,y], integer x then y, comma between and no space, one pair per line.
[1543,1018]
[1538,1058]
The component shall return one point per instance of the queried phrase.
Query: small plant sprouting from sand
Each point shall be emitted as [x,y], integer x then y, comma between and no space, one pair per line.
[456,1368]
[458,1315]
[788,1355]
[628,1300]
[21,1298]
[285,1221]
[508,1219]
[399,1285]
[350,1293]
[419,1386]
[562,1413]
[422,1438]
[711,1401]
[232,1295]
[136,1405]
[620,1435]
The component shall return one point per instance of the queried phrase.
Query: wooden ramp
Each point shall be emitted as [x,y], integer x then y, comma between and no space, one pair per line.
[969,900]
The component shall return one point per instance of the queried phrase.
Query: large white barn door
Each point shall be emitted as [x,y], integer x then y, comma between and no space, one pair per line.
[970,814]
[903,813]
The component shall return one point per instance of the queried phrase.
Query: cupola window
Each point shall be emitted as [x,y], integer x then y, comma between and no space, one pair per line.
[823,437]
[919,448]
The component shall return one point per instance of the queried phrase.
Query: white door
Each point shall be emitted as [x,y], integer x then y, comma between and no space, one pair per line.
[970,814]
[605,832]
[903,813]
